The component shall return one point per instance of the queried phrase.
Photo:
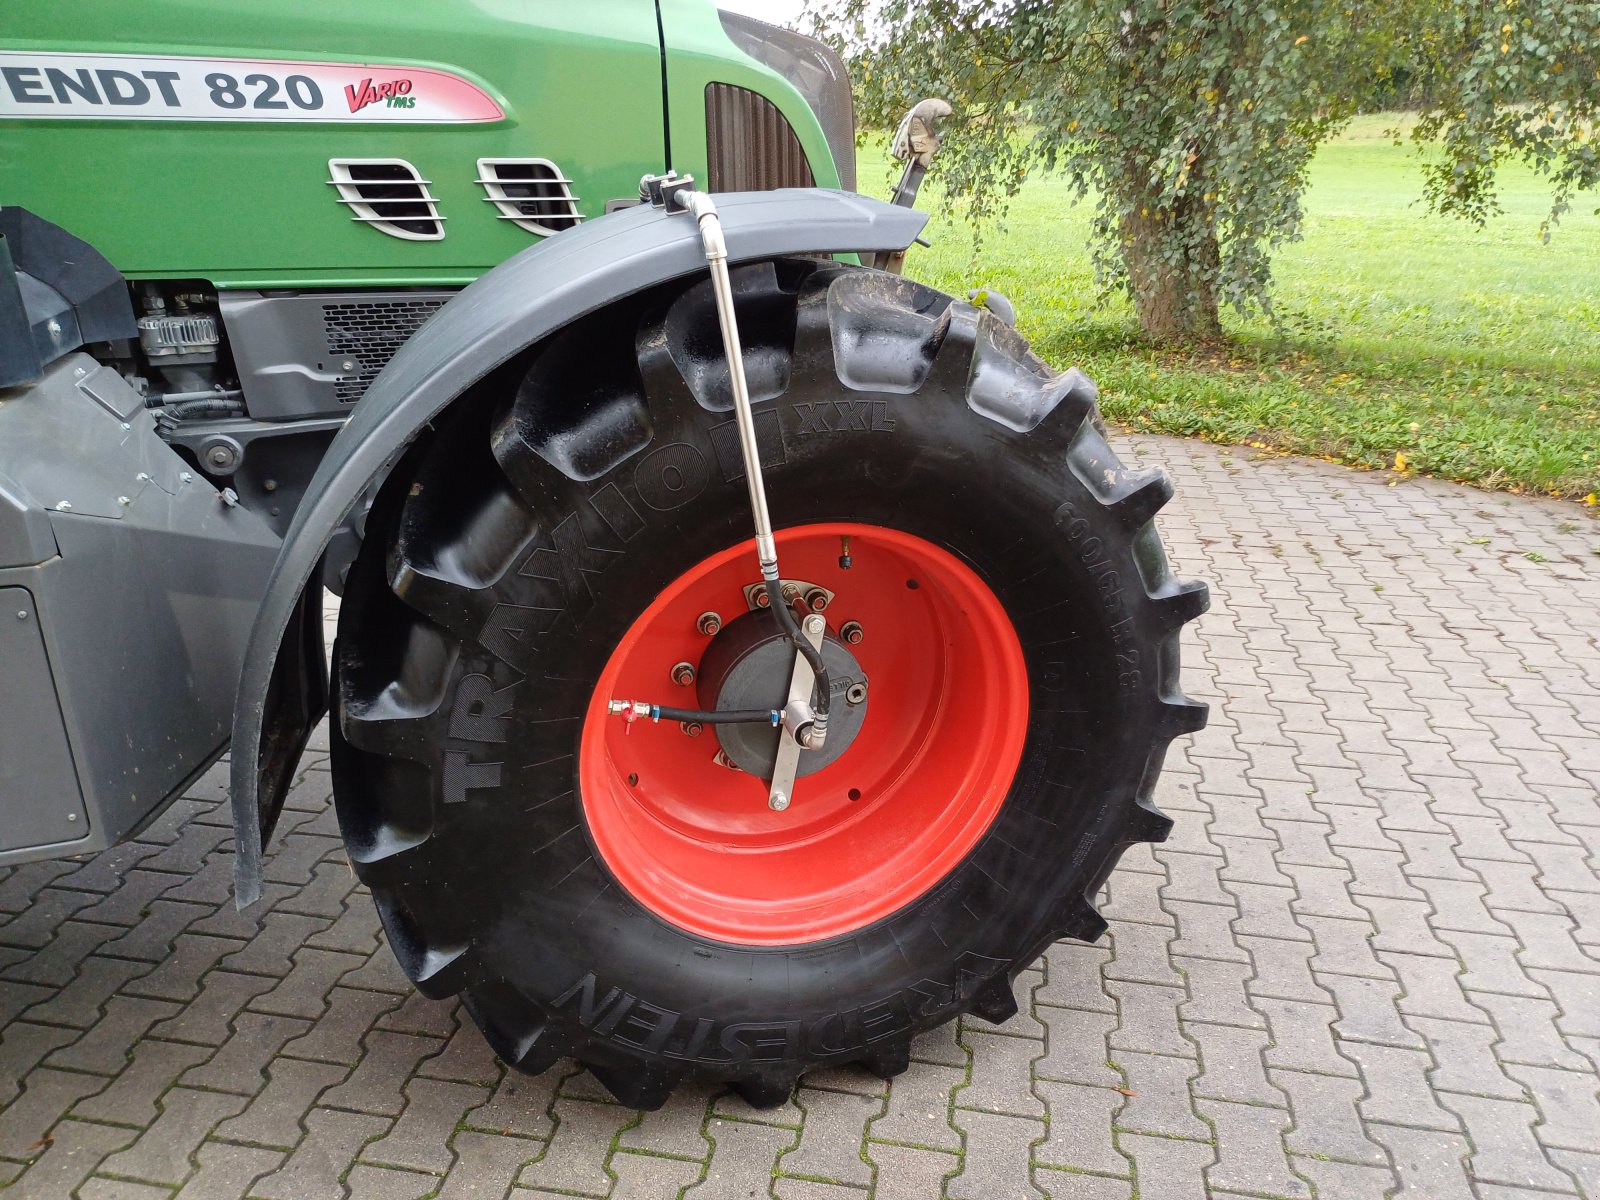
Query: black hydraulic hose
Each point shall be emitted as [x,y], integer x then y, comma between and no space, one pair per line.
[821,692]
[208,407]
[717,716]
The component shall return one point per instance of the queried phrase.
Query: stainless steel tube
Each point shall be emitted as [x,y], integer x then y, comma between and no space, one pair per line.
[704,211]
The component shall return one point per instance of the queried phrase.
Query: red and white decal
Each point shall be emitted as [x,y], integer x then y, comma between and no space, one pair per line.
[133,87]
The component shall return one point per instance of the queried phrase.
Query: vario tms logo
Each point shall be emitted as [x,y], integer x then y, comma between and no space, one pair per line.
[395,93]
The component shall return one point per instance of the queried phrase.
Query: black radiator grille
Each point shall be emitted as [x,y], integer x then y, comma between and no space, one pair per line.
[367,333]
[752,147]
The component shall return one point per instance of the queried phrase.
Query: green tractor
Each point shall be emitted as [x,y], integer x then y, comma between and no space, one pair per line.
[748,658]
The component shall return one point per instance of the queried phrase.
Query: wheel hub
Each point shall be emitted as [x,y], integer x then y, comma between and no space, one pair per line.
[747,665]
[892,805]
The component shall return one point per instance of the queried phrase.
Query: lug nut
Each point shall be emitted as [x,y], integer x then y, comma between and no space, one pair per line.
[852,632]
[762,599]
[709,623]
[816,599]
[683,674]
[692,728]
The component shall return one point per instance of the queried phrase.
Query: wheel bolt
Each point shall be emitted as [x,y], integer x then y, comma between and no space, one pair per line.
[683,674]
[778,801]
[709,623]
[762,599]
[816,599]
[692,728]
[852,632]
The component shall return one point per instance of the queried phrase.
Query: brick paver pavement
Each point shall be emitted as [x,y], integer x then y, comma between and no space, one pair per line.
[1367,962]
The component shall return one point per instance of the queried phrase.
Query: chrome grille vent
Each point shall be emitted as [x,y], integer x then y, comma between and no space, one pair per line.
[364,334]
[389,194]
[752,147]
[531,193]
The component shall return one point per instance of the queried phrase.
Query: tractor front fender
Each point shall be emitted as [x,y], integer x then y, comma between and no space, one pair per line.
[283,682]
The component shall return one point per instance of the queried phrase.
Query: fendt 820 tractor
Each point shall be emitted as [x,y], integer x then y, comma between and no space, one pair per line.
[748,658]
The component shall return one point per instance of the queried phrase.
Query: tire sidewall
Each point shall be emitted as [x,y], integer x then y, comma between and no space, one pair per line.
[559,928]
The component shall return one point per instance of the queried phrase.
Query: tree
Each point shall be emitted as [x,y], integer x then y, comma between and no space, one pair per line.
[1191,122]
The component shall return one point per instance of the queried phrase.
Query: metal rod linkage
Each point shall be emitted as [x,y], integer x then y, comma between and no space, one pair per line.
[704,210]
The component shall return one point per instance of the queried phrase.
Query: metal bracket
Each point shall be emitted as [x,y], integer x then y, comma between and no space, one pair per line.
[813,596]
[662,191]
[222,443]
[787,765]
[915,143]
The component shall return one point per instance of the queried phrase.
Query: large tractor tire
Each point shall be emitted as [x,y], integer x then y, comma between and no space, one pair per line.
[1002,635]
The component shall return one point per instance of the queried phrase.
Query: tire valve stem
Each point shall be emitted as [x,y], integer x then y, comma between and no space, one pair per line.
[845,561]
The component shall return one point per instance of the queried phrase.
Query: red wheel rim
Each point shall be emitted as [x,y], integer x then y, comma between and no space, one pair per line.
[695,842]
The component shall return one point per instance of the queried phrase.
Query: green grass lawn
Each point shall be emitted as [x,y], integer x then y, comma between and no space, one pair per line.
[1473,353]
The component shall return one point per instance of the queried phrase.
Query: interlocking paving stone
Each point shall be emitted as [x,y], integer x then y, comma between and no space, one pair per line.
[389,1061]
[1159,1100]
[918,1111]
[998,1150]
[1232,1065]
[419,1139]
[367,1182]
[466,1058]
[107,1046]
[647,1176]
[122,1189]
[22,1048]
[226,1172]
[909,1173]
[336,1038]
[1001,1070]
[82,1002]
[1430,1165]
[132,1098]
[46,1097]
[1080,1123]
[1504,1148]
[675,1128]
[240,1064]
[1077,1047]
[75,1149]
[1368,959]
[519,1106]
[162,1152]
[831,1137]
[1069,1185]
[275,1116]
[1167,1168]
[744,1153]
[322,1158]
[574,1160]
[1250,1154]
[1346,1181]
[486,1164]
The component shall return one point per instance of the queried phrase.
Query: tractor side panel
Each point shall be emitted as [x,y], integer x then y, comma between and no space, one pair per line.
[140,584]
[215,125]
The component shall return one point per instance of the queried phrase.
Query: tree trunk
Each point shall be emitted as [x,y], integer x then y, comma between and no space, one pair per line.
[1172,258]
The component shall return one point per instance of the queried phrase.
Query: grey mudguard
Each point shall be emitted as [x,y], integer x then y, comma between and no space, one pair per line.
[524,299]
